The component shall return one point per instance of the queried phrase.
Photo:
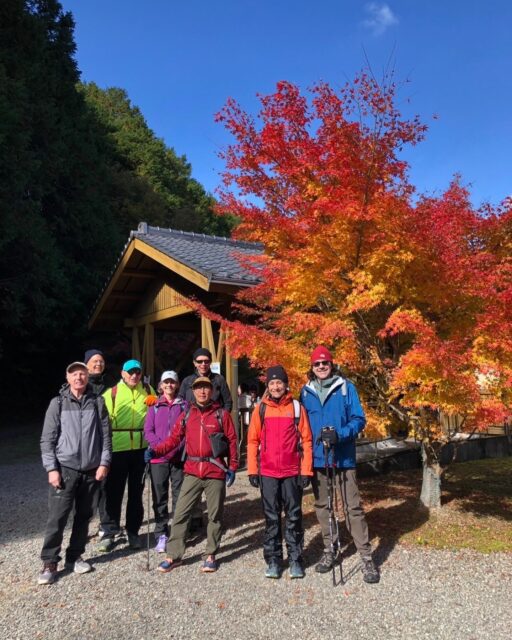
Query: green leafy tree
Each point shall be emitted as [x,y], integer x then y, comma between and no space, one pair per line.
[57,235]
[149,175]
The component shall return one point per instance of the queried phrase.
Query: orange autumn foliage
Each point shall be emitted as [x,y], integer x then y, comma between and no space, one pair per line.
[411,293]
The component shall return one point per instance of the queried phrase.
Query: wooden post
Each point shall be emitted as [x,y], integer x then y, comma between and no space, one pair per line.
[207,337]
[135,343]
[232,380]
[148,352]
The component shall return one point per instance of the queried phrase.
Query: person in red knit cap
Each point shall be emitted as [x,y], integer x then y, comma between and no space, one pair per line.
[336,419]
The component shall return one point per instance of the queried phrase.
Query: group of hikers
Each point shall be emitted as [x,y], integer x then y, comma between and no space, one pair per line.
[97,440]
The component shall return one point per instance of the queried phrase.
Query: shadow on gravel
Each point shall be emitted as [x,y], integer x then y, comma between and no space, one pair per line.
[390,523]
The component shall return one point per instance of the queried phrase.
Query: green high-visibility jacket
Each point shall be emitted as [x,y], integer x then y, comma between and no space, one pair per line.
[127,412]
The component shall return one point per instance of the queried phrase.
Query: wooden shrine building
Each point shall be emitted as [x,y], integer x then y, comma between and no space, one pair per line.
[157,271]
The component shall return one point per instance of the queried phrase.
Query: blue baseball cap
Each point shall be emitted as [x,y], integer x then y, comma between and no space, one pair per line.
[132,364]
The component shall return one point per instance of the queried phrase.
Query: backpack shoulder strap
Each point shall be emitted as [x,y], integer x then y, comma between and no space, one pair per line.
[220,414]
[262,409]
[113,394]
[296,412]
[184,420]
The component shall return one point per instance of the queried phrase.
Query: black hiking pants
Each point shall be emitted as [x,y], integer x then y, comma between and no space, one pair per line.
[78,489]
[127,468]
[163,473]
[278,495]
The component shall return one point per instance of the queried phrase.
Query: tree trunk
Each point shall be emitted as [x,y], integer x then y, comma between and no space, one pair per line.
[431,486]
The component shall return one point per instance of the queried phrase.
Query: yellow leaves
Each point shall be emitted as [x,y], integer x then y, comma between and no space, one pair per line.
[376,426]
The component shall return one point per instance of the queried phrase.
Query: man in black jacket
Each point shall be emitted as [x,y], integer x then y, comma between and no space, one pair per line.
[202,359]
[76,448]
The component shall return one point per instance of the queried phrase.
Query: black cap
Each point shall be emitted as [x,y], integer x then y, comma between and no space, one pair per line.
[277,373]
[92,352]
[202,352]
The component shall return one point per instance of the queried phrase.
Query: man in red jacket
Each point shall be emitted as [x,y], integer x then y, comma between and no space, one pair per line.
[210,465]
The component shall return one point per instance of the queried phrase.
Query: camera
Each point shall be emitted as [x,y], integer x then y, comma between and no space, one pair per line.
[328,436]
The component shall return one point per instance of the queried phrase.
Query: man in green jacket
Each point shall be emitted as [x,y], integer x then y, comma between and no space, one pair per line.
[127,403]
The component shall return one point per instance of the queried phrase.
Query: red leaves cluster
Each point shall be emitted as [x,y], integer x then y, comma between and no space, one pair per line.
[412,295]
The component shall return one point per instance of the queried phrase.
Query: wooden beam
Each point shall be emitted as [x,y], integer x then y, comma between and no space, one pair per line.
[113,280]
[157,316]
[174,265]
[124,295]
[139,273]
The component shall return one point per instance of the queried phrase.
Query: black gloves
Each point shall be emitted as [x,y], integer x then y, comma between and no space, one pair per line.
[254,481]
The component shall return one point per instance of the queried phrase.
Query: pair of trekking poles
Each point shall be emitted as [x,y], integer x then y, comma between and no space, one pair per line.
[328,438]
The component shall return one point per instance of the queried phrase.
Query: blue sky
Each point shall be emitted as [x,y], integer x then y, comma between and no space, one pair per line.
[180,61]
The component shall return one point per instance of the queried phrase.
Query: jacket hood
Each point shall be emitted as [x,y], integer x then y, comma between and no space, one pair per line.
[163,402]
[213,406]
[284,400]
[65,392]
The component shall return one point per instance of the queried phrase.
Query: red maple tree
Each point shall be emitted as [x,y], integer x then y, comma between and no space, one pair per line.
[411,293]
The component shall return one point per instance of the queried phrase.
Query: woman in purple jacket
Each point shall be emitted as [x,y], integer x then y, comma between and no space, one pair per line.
[160,420]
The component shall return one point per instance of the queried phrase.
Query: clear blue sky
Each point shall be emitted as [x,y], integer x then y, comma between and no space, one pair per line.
[179,61]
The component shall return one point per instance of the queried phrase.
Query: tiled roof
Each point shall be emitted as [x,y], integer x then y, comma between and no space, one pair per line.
[214,257]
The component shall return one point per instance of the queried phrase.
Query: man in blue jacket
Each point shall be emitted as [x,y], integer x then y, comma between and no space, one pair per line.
[332,401]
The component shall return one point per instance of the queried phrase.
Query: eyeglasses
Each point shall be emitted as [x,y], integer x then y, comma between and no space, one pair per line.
[322,363]
[134,372]
[202,362]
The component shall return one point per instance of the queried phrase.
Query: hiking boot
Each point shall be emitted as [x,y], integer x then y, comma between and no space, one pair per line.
[79,566]
[273,570]
[168,565]
[210,565]
[326,563]
[370,572]
[106,545]
[161,544]
[295,570]
[48,574]
[134,541]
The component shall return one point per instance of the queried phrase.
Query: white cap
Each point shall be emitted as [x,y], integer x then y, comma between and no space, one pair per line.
[76,365]
[169,374]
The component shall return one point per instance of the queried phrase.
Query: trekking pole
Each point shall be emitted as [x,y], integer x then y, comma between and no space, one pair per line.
[330,507]
[337,521]
[147,474]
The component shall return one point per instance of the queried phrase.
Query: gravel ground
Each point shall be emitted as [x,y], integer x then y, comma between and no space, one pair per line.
[422,594]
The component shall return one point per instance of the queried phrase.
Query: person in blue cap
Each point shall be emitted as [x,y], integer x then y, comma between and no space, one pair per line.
[127,404]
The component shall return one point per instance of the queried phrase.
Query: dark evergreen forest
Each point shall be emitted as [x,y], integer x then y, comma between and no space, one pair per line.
[79,168]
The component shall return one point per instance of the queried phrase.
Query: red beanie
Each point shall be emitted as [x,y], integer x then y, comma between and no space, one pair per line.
[321,353]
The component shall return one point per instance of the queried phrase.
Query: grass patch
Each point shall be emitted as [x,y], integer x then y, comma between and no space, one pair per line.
[476,512]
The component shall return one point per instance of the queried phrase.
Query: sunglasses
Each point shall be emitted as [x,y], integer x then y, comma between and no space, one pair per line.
[134,372]
[202,362]
[321,363]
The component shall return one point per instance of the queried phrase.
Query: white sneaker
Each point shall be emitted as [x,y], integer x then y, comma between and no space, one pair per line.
[79,566]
